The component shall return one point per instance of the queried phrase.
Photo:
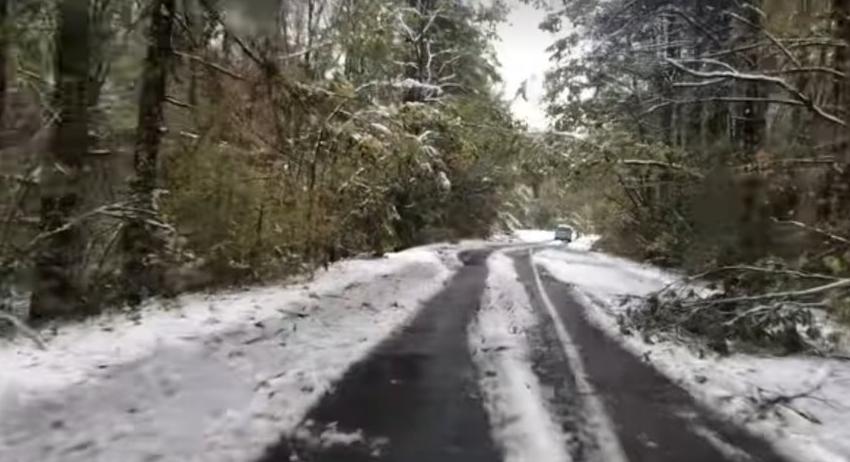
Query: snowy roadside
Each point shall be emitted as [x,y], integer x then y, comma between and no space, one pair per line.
[213,378]
[536,236]
[521,424]
[812,428]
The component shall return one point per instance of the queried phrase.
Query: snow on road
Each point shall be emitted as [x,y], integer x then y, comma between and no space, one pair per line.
[730,385]
[583,242]
[521,424]
[534,235]
[212,378]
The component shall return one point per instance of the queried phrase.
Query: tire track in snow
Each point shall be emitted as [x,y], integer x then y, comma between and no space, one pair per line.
[520,422]
[656,420]
[609,445]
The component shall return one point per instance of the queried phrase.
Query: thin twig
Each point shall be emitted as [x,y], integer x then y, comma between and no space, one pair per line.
[176,102]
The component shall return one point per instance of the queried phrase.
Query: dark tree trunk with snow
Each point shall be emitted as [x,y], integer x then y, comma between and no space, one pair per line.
[142,268]
[57,286]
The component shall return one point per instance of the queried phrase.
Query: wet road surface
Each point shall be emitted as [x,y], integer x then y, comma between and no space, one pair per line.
[654,420]
[415,399]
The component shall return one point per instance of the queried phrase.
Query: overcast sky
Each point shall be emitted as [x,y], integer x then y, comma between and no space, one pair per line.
[522,53]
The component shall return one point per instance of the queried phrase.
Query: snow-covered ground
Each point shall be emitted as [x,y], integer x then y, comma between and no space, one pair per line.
[812,428]
[220,377]
[534,235]
[540,236]
[520,423]
[211,378]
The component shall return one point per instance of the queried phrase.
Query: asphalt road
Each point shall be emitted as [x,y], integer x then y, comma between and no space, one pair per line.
[415,399]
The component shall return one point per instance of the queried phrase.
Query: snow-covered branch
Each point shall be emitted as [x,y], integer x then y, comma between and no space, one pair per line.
[411,34]
[760,78]
[788,54]
[723,99]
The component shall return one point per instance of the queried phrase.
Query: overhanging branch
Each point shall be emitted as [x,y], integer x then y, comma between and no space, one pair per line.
[760,78]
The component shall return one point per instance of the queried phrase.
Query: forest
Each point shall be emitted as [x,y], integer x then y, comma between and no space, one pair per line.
[161,146]
[151,148]
[713,137]
[348,230]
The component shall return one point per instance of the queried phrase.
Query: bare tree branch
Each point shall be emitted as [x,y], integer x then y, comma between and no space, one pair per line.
[747,77]
[809,69]
[824,233]
[21,327]
[210,65]
[769,36]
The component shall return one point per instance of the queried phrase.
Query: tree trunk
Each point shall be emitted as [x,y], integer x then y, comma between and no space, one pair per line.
[752,118]
[754,224]
[5,58]
[283,25]
[195,26]
[838,204]
[311,10]
[57,287]
[842,29]
[5,34]
[142,267]
[669,115]
[101,30]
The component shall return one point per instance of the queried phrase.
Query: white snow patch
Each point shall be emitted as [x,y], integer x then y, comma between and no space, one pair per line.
[584,242]
[603,274]
[214,378]
[534,235]
[329,437]
[520,422]
[727,449]
[730,385]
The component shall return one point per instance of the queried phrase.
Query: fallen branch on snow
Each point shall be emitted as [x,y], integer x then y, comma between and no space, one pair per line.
[765,404]
[21,327]
[839,284]
[742,268]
